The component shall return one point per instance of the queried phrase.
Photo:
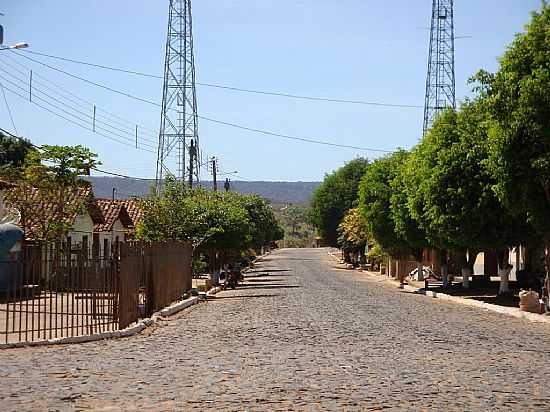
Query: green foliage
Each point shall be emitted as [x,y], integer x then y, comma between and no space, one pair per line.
[264,228]
[519,102]
[375,198]
[13,153]
[294,221]
[49,189]
[406,227]
[212,221]
[451,188]
[58,165]
[337,194]
[353,232]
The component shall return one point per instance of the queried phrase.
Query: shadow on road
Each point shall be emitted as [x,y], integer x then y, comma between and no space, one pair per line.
[269,271]
[268,286]
[264,280]
[245,296]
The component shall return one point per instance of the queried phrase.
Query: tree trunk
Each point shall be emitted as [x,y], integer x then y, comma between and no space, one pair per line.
[465,271]
[443,259]
[420,268]
[445,275]
[504,269]
[546,287]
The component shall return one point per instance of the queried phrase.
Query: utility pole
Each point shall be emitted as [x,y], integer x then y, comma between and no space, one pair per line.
[192,156]
[215,173]
[440,82]
[179,129]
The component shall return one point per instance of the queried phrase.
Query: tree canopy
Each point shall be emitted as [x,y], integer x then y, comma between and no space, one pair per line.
[518,100]
[375,198]
[228,223]
[13,152]
[337,194]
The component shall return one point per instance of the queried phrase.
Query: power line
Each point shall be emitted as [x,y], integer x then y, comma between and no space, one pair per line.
[74,76]
[236,89]
[301,139]
[8,107]
[93,168]
[76,100]
[87,118]
[208,119]
[121,175]
[75,122]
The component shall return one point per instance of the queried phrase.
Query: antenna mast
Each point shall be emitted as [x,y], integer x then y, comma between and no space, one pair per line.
[179,134]
[440,83]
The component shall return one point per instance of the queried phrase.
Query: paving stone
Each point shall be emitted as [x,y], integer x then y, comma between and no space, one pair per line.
[308,336]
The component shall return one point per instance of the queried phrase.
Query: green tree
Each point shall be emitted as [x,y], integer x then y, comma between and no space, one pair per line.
[13,152]
[50,178]
[335,196]
[375,197]
[264,226]
[450,189]
[217,224]
[518,99]
[353,233]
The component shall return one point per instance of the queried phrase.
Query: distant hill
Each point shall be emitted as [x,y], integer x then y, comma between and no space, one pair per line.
[276,192]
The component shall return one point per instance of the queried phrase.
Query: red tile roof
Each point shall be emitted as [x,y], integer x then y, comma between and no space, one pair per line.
[38,207]
[132,207]
[112,211]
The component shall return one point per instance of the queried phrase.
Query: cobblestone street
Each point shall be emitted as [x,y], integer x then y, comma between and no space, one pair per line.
[308,336]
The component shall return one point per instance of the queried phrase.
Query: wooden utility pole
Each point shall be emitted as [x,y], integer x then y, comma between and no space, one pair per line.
[215,173]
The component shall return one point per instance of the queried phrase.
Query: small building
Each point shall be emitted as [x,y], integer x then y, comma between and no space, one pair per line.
[117,226]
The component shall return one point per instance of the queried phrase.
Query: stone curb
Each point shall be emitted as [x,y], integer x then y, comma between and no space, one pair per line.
[213,291]
[503,310]
[124,333]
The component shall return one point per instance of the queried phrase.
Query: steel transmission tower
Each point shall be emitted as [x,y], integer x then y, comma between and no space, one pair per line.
[178,149]
[440,83]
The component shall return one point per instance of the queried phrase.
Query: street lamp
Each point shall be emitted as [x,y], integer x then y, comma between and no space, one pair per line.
[20,45]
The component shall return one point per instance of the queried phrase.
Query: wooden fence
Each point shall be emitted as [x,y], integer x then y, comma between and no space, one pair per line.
[51,291]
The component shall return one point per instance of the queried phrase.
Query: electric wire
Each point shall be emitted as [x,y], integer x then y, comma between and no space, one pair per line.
[76,117]
[75,122]
[78,100]
[209,119]
[88,118]
[8,107]
[237,89]
[301,139]
[115,174]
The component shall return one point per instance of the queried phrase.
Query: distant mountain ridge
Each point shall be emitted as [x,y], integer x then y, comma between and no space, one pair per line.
[276,192]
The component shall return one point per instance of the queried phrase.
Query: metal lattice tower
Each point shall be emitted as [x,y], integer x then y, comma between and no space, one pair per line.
[178,150]
[440,83]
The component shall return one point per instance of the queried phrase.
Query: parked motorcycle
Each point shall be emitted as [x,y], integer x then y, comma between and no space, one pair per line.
[232,279]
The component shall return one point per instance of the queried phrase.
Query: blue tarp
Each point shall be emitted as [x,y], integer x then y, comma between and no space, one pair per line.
[11,275]
[9,235]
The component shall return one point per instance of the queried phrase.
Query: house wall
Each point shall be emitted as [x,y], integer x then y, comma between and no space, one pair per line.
[118,230]
[83,226]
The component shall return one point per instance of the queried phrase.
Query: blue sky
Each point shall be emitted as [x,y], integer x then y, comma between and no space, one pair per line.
[350,49]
